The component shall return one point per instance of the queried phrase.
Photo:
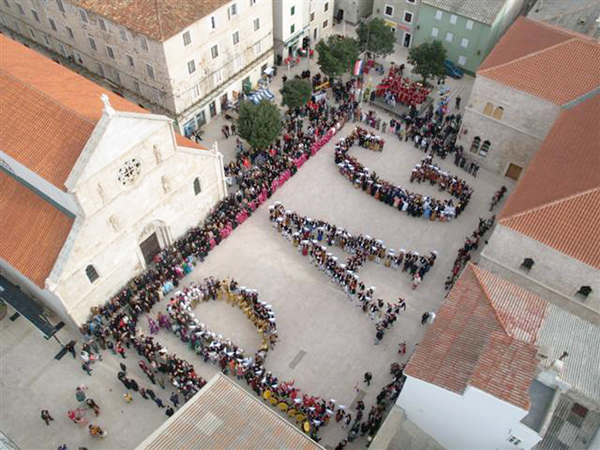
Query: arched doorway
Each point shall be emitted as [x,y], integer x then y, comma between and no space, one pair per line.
[154,237]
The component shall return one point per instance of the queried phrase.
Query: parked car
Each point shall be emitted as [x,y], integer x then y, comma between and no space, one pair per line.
[453,70]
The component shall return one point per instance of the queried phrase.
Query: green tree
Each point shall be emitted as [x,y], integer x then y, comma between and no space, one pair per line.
[296,92]
[337,55]
[380,37]
[259,124]
[428,59]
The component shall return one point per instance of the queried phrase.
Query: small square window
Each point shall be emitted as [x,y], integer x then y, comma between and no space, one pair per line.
[92,44]
[187,38]
[449,37]
[325,24]
[214,51]
[434,32]
[453,19]
[584,291]
[52,24]
[110,52]
[292,10]
[388,11]
[130,60]
[236,37]
[70,32]
[256,24]
[150,70]
[408,17]
[464,42]
[102,24]
[293,29]
[35,15]
[326,7]
[469,25]
[191,66]
[438,15]
[83,15]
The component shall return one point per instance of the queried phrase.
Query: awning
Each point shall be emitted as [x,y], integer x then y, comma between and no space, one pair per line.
[27,307]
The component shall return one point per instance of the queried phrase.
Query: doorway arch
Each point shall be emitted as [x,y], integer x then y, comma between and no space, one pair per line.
[152,239]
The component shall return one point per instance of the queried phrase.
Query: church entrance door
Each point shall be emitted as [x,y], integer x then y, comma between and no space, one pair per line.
[150,247]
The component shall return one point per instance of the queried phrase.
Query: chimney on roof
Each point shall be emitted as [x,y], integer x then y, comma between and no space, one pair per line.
[558,365]
[109,110]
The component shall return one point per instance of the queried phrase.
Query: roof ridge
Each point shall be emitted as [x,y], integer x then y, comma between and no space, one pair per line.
[47,96]
[160,29]
[545,205]
[489,297]
[562,30]
[529,55]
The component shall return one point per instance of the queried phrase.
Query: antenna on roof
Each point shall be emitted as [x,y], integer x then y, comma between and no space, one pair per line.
[107,108]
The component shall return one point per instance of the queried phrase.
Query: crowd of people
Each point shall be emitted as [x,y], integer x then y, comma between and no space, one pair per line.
[464,253]
[397,89]
[412,203]
[310,237]
[426,171]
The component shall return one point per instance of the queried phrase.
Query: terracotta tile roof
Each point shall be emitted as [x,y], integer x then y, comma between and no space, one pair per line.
[32,231]
[540,59]
[557,199]
[49,112]
[224,416]
[478,10]
[483,336]
[156,19]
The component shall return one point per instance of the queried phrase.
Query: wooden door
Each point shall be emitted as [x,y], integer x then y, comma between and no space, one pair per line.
[150,247]
[513,172]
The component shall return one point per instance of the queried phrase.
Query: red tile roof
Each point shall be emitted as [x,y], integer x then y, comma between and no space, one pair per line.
[157,19]
[557,199]
[484,336]
[540,59]
[32,231]
[49,112]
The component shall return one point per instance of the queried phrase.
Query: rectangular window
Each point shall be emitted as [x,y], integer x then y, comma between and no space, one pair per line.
[256,24]
[408,17]
[438,15]
[62,50]
[93,44]
[252,2]
[100,69]
[117,76]
[218,77]
[110,52]
[412,2]
[214,51]
[257,48]
[130,60]
[150,70]
[292,28]
[464,42]
[325,24]
[312,16]
[35,15]
[233,12]
[137,87]
[453,19]
[238,62]
[196,91]
[191,66]
[47,40]
[52,24]
[17,26]
[61,8]
[236,37]
[102,24]
[434,32]
[70,32]
[32,33]
[83,15]
[20,8]
[123,33]
[144,42]
[389,11]
[78,57]
[449,37]
[469,25]
[187,38]
[213,22]
[326,7]
[462,60]
[201,118]
[292,10]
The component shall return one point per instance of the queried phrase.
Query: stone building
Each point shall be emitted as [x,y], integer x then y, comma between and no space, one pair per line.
[185,58]
[296,22]
[582,16]
[92,185]
[401,16]
[353,11]
[511,369]
[520,90]
[468,29]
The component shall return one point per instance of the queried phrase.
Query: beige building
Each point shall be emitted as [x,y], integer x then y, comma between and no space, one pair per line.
[186,58]
[298,21]
[92,185]
[520,90]
[401,16]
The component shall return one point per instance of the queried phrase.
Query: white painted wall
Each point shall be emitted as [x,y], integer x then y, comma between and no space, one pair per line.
[475,420]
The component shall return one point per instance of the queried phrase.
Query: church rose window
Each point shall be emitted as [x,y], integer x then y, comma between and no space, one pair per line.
[129,171]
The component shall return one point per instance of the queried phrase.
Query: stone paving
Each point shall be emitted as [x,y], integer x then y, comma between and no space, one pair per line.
[326,344]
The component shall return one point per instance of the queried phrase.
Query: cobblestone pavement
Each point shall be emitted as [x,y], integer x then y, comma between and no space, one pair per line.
[326,344]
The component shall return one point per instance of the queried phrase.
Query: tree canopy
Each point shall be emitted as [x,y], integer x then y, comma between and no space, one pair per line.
[337,55]
[259,124]
[428,59]
[296,92]
[381,38]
